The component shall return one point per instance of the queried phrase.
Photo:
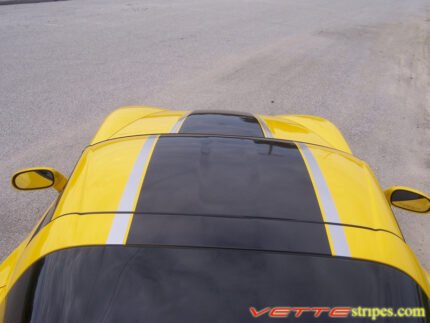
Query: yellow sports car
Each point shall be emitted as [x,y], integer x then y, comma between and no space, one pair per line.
[215,216]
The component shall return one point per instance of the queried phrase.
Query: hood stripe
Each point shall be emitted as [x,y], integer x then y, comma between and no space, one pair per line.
[336,232]
[121,222]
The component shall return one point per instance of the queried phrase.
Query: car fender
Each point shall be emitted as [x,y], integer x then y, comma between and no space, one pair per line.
[120,118]
[323,128]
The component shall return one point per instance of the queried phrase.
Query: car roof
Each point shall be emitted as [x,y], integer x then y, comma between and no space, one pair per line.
[101,176]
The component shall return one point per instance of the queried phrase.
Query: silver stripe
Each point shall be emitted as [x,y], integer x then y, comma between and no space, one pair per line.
[118,229]
[337,233]
[178,124]
[266,130]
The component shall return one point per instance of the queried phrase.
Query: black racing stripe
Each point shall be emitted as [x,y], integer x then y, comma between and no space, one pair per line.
[222,123]
[237,233]
[231,176]
[228,176]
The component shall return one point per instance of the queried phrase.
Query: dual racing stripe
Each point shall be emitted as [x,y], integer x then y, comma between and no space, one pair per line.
[222,123]
[229,192]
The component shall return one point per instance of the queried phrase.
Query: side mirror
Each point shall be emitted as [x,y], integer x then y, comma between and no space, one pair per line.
[408,199]
[38,178]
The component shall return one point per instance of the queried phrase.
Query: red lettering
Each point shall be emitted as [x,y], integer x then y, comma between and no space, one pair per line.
[256,313]
[280,312]
[340,312]
[300,310]
[319,310]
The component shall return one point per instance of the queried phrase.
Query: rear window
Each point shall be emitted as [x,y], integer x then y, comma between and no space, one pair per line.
[172,284]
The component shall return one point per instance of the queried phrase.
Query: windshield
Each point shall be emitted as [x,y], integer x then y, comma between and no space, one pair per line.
[173,284]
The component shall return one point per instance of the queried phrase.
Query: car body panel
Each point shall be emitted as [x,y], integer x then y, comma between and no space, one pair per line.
[90,203]
[326,130]
[109,164]
[356,193]
[119,119]
[136,120]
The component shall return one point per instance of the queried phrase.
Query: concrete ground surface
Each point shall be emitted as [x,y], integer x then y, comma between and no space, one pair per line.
[364,64]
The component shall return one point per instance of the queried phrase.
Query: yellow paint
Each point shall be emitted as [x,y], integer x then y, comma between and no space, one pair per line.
[119,118]
[386,248]
[159,123]
[9,264]
[64,232]
[356,194]
[26,179]
[136,198]
[100,176]
[360,201]
[137,120]
[308,129]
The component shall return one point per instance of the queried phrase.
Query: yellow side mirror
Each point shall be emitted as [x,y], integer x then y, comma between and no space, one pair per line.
[38,178]
[408,199]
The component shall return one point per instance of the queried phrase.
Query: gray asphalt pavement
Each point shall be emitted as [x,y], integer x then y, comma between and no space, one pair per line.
[364,64]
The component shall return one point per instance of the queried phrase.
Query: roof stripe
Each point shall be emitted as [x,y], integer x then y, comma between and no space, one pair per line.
[122,221]
[199,184]
[336,232]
